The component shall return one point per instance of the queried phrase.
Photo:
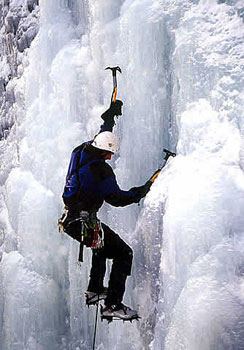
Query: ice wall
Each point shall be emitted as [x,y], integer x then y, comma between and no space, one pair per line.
[34,265]
[18,27]
[193,267]
[182,87]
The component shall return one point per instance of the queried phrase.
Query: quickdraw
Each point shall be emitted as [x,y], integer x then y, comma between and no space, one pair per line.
[62,219]
[92,234]
[98,238]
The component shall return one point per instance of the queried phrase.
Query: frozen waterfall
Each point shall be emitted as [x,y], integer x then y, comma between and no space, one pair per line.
[182,86]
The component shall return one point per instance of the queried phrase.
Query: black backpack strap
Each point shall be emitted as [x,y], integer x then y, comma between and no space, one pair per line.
[77,167]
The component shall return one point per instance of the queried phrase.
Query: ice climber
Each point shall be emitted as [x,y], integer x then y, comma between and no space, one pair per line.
[90,181]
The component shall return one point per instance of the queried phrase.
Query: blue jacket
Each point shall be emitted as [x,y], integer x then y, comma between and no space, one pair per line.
[90,181]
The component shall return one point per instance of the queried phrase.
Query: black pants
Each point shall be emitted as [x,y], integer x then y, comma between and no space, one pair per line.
[117,250]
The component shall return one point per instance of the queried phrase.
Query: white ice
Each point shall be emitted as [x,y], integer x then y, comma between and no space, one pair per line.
[182,87]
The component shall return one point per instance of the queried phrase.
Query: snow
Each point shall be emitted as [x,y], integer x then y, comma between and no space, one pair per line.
[182,87]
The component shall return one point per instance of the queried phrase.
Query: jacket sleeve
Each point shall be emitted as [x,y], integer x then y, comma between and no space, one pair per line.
[108,118]
[106,126]
[117,197]
[109,190]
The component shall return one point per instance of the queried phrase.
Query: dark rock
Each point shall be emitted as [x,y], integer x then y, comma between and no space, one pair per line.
[11,24]
[31,4]
[16,21]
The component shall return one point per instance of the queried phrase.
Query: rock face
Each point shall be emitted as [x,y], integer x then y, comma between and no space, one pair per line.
[18,27]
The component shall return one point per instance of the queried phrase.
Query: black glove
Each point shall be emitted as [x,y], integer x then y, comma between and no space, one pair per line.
[114,109]
[145,188]
[142,190]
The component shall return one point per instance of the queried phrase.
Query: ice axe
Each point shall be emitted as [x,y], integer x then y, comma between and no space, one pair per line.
[166,157]
[114,71]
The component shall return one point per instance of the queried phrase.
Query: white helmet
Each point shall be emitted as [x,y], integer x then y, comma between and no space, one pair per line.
[106,141]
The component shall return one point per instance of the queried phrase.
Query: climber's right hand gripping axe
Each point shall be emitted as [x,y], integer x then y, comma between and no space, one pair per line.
[167,155]
[114,71]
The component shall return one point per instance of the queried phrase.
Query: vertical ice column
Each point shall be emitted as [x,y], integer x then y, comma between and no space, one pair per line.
[34,275]
[131,37]
[200,195]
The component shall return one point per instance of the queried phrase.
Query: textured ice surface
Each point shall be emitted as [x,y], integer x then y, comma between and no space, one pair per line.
[18,27]
[182,87]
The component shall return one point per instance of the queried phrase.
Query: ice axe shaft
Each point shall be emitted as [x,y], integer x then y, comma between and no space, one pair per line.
[166,157]
[114,71]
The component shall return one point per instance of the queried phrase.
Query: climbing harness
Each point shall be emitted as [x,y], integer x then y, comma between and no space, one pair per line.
[114,70]
[92,233]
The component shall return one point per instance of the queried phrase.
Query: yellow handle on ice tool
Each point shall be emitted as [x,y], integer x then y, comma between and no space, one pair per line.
[167,155]
[114,70]
[155,175]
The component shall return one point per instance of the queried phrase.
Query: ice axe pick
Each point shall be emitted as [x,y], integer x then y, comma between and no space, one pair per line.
[114,71]
[166,157]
